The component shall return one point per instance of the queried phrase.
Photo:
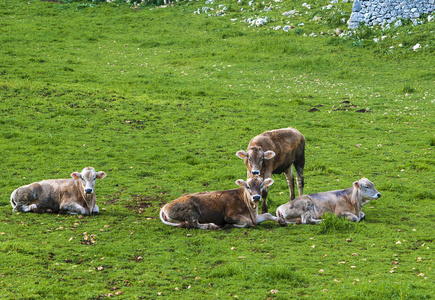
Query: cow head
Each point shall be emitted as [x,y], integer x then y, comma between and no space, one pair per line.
[367,190]
[254,185]
[254,158]
[87,178]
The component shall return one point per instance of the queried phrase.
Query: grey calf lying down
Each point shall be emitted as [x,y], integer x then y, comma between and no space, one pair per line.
[221,209]
[348,203]
[74,196]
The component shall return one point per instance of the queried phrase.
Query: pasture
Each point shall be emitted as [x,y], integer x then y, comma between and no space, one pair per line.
[161,99]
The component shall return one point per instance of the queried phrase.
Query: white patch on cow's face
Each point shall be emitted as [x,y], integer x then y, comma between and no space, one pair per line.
[255,186]
[367,190]
[255,160]
[87,178]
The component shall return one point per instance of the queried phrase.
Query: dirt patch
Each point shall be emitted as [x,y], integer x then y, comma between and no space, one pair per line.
[140,203]
[113,198]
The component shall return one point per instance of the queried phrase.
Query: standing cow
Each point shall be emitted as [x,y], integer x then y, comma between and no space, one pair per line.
[343,203]
[74,196]
[274,152]
[220,209]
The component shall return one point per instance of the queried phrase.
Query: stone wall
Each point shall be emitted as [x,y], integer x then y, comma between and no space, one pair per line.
[375,12]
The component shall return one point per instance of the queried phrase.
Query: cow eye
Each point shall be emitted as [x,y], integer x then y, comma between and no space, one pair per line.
[248,187]
[249,160]
[261,160]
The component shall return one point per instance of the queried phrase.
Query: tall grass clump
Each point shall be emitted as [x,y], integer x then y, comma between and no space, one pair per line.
[332,223]
[407,89]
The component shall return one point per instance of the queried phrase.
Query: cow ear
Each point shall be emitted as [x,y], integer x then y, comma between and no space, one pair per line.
[101,175]
[267,182]
[76,175]
[242,154]
[356,184]
[269,154]
[241,183]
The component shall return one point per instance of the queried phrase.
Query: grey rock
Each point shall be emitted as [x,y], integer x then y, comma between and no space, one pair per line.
[375,12]
[356,6]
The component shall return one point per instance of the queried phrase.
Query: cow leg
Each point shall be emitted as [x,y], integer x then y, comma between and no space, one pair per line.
[299,167]
[268,216]
[362,216]
[207,226]
[96,210]
[350,216]
[239,221]
[74,209]
[264,193]
[302,208]
[192,220]
[290,182]
[24,199]
[25,208]
[307,218]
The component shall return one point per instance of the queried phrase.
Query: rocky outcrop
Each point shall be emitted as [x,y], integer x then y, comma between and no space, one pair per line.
[376,12]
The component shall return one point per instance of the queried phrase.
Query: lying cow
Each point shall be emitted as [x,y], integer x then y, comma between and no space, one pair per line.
[74,196]
[274,152]
[343,203]
[216,210]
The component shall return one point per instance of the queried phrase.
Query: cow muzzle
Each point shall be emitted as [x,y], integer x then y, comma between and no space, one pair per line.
[256,198]
[89,191]
[255,172]
[378,195]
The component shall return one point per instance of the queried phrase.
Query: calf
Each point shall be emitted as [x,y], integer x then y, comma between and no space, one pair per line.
[343,203]
[274,152]
[216,210]
[74,196]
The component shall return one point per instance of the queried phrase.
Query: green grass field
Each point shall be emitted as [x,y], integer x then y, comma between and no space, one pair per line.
[161,99]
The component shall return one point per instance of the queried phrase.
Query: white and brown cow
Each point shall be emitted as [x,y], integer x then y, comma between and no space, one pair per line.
[220,209]
[274,152]
[343,203]
[74,196]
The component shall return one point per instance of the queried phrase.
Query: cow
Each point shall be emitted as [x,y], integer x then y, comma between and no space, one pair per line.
[274,152]
[220,209]
[343,203]
[73,196]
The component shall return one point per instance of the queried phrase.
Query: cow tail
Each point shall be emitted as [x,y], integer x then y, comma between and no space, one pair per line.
[164,219]
[13,203]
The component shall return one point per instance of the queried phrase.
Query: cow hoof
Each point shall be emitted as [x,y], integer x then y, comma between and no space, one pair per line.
[282,222]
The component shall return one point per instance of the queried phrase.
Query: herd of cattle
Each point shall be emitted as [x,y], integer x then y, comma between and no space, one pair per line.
[272,152]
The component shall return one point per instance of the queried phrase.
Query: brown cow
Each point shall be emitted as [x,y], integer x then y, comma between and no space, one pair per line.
[274,152]
[74,196]
[220,209]
[343,203]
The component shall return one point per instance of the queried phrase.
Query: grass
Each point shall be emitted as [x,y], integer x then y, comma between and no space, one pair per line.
[162,98]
